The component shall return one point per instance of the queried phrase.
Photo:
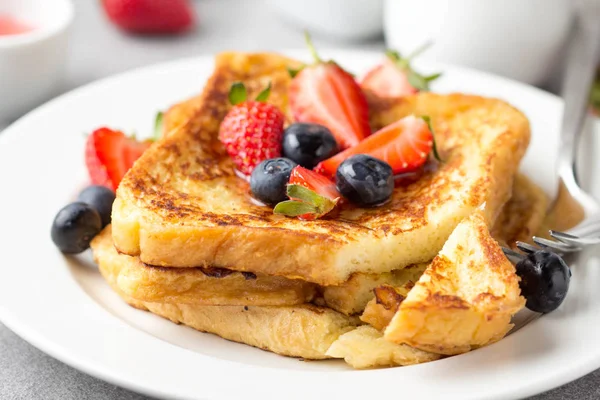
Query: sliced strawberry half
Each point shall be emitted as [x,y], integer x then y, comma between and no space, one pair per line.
[387,80]
[312,195]
[109,154]
[404,145]
[395,76]
[325,94]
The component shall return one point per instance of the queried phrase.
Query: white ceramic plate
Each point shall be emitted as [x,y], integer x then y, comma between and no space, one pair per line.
[62,306]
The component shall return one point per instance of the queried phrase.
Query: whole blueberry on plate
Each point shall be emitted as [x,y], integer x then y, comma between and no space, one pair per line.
[74,226]
[269,179]
[308,144]
[101,199]
[545,280]
[365,181]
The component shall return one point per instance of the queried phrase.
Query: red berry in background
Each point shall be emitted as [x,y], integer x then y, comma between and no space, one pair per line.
[150,16]
[395,77]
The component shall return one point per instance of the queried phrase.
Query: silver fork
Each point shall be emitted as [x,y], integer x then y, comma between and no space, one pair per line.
[579,74]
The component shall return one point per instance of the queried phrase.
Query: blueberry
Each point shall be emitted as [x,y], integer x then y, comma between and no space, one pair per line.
[74,226]
[308,144]
[269,178]
[365,180]
[101,199]
[544,280]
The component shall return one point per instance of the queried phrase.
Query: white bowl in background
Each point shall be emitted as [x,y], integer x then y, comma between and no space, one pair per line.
[32,64]
[343,19]
[519,39]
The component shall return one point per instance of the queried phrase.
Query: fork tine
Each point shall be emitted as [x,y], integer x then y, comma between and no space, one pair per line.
[526,247]
[512,255]
[574,240]
[555,245]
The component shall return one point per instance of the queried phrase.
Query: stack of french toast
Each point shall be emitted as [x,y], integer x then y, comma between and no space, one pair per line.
[418,278]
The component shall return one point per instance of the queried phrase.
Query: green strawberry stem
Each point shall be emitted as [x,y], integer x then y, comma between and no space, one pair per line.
[293,72]
[237,93]
[264,95]
[311,48]
[419,50]
[427,120]
[416,80]
[158,126]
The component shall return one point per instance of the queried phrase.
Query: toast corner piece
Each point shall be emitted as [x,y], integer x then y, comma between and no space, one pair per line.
[464,300]
[365,347]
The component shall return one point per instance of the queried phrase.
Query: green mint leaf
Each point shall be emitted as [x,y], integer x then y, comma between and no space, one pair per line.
[237,93]
[264,95]
[293,72]
[293,208]
[158,126]
[427,120]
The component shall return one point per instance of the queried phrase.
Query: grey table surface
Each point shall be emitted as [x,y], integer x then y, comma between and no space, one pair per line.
[98,50]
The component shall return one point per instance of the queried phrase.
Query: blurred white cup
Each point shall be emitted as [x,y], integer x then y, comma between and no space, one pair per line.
[343,19]
[519,39]
[32,64]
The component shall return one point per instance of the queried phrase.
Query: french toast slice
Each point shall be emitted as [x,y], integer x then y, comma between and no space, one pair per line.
[352,296]
[465,299]
[523,216]
[520,218]
[181,205]
[199,286]
[365,347]
[305,331]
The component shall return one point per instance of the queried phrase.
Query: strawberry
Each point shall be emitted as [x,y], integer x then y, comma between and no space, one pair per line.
[252,130]
[312,195]
[109,154]
[150,16]
[325,94]
[395,77]
[404,145]
[314,181]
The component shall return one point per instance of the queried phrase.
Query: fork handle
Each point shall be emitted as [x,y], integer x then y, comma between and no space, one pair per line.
[579,74]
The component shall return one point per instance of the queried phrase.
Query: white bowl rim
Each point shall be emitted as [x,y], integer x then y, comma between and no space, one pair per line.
[60,24]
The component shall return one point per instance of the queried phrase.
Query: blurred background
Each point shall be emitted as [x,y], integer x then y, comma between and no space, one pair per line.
[46,48]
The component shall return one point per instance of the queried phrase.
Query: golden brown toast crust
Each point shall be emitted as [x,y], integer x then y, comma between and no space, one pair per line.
[305,331]
[464,300]
[199,286]
[181,204]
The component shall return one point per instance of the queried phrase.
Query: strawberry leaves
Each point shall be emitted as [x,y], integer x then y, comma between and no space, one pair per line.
[304,203]
[158,126]
[436,155]
[264,94]
[238,93]
[416,80]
